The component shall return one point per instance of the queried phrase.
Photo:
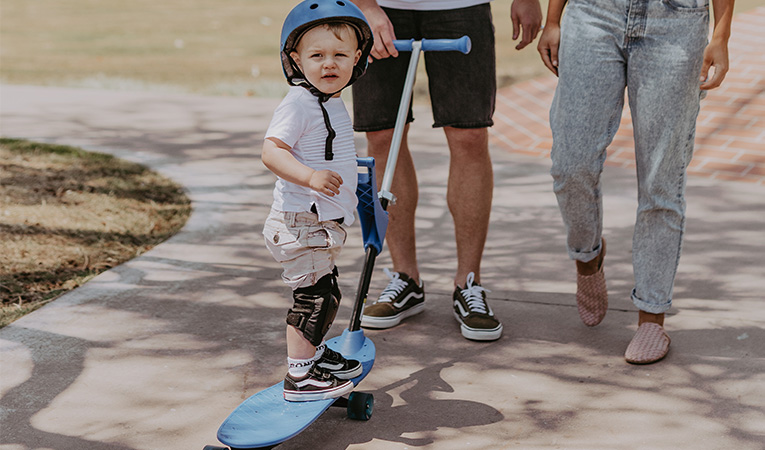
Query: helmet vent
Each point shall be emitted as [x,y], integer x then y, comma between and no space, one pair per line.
[314,6]
[341,3]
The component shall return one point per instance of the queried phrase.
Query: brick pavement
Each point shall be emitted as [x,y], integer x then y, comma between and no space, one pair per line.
[730,133]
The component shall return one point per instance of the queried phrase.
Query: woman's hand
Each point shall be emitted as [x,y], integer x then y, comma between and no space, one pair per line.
[548,46]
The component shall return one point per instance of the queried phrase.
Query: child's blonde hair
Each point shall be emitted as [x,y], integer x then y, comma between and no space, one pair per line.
[337,28]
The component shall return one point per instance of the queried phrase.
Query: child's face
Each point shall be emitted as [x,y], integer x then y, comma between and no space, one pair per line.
[326,61]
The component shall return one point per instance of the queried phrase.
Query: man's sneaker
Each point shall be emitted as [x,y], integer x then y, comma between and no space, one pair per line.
[317,384]
[476,318]
[334,363]
[402,298]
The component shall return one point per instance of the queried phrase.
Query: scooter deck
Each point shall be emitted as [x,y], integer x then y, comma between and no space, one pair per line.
[266,419]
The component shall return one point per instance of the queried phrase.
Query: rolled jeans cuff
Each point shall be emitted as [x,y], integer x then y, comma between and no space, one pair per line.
[650,307]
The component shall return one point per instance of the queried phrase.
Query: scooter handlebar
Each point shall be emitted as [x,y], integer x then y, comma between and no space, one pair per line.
[462,45]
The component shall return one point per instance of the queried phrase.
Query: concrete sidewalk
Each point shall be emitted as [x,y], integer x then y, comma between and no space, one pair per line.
[156,352]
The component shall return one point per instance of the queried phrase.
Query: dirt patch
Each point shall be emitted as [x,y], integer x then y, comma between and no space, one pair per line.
[67,215]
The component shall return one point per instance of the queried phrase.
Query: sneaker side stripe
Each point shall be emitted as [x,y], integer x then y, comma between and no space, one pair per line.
[403,301]
[330,366]
[459,306]
[312,382]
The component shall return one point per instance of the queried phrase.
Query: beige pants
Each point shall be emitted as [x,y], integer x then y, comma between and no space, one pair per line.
[305,247]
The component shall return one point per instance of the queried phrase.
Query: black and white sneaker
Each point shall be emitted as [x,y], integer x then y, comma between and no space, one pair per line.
[402,298]
[334,363]
[317,384]
[477,321]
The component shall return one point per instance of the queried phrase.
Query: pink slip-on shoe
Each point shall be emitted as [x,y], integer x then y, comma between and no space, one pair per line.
[591,294]
[650,344]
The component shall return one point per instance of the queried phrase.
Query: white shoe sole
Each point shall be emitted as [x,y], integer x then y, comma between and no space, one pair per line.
[479,334]
[391,321]
[339,391]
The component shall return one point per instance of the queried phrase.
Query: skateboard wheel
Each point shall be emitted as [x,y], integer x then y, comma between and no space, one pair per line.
[360,405]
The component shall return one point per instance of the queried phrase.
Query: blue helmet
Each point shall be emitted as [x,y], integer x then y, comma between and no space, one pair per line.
[310,13]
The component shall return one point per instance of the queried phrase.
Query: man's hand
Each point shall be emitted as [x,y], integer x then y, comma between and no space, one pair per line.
[548,46]
[526,16]
[715,55]
[382,29]
[326,182]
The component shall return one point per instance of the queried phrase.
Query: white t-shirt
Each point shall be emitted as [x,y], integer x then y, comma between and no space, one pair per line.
[429,5]
[299,123]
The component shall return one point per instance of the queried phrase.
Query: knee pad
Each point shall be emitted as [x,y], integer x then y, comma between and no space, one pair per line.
[315,308]
[335,287]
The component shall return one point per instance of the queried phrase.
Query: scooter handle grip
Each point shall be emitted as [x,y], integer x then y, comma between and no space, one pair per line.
[462,45]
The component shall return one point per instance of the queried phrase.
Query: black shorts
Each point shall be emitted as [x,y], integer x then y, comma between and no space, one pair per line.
[462,87]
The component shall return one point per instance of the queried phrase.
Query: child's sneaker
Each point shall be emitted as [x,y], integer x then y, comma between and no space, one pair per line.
[476,318]
[402,298]
[334,363]
[317,384]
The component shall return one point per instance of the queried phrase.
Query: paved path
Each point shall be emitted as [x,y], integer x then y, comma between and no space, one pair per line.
[730,134]
[156,352]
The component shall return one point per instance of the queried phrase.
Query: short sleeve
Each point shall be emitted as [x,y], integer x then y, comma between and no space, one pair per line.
[288,122]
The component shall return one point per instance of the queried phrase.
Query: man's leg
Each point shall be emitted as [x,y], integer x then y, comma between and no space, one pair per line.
[469,196]
[400,236]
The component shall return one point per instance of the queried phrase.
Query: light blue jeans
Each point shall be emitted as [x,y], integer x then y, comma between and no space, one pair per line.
[654,49]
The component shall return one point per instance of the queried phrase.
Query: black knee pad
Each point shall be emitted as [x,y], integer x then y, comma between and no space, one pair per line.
[315,308]
[335,287]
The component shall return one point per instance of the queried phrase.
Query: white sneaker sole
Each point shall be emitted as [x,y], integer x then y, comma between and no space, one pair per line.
[391,321]
[479,334]
[298,396]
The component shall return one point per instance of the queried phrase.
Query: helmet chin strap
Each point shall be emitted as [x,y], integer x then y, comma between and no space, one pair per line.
[328,154]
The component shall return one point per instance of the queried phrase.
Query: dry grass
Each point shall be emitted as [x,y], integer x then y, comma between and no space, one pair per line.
[220,47]
[67,215]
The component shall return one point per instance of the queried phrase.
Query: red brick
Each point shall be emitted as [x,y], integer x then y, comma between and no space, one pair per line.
[707,152]
[527,152]
[751,133]
[711,140]
[740,178]
[695,165]
[725,166]
[757,171]
[751,157]
[748,158]
[740,122]
[719,108]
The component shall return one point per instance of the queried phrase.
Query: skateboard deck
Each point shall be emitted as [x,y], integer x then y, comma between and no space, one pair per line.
[266,419]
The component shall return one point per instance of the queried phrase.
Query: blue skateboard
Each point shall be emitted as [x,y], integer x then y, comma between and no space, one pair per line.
[266,419]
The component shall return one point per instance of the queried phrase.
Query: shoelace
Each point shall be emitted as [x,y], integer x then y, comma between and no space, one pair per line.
[473,297]
[395,286]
